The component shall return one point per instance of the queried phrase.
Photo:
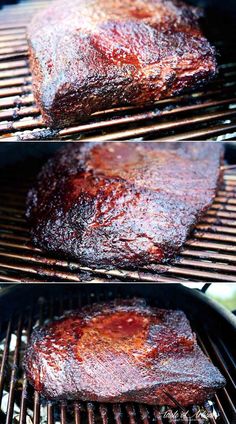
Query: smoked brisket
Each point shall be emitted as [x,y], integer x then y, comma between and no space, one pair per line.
[88,55]
[122,204]
[121,351]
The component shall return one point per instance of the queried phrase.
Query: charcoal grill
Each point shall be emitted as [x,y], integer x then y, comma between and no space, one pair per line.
[208,255]
[208,113]
[21,307]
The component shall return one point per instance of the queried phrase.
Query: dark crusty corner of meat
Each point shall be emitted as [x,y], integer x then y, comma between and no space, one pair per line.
[90,55]
[122,204]
[121,351]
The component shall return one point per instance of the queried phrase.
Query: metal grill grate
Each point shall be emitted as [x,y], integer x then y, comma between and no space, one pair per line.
[208,255]
[209,113]
[20,404]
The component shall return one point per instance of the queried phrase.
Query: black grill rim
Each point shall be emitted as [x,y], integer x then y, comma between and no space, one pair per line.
[15,297]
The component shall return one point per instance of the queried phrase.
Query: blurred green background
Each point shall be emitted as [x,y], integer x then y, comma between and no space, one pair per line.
[224,293]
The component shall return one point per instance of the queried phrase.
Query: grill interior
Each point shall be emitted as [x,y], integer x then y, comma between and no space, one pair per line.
[20,404]
[208,255]
[208,113]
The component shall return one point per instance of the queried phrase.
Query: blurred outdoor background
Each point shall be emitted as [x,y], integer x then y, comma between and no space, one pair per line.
[224,293]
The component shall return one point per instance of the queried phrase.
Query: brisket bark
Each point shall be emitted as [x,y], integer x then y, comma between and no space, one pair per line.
[122,204]
[88,55]
[121,351]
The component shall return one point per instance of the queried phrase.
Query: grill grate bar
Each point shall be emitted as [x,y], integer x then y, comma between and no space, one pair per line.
[117,413]
[12,31]
[50,418]
[209,255]
[210,245]
[226,199]
[17,228]
[19,113]
[217,228]
[5,358]
[131,414]
[15,64]
[14,374]
[217,237]
[36,416]
[90,412]
[63,413]
[15,91]
[77,413]
[13,51]
[207,264]
[11,38]
[12,45]
[13,82]
[15,279]
[12,237]
[226,206]
[13,73]
[16,101]
[216,130]
[144,414]
[103,413]
[23,407]
[222,214]
[18,246]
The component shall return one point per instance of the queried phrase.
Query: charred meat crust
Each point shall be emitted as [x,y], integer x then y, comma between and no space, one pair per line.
[88,55]
[121,351]
[122,204]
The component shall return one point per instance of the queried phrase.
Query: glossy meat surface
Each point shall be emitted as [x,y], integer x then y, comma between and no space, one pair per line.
[121,351]
[122,204]
[88,55]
